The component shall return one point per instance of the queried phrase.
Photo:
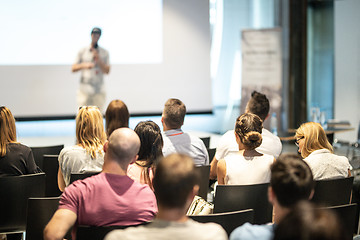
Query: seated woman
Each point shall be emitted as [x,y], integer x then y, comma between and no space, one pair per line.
[317,152]
[87,154]
[15,158]
[246,166]
[150,152]
[116,116]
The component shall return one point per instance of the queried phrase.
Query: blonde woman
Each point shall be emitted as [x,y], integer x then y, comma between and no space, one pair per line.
[247,166]
[87,154]
[15,158]
[317,152]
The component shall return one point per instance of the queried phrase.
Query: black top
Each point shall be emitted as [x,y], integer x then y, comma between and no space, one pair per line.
[18,160]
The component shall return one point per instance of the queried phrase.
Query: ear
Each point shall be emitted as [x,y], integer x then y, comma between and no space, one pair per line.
[106,146]
[193,193]
[267,116]
[134,159]
[311,194]
[271,195]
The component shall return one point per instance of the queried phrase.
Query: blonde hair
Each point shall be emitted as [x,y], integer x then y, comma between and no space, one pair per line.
[90,133]
[314,138]
[7,129]
[249,128]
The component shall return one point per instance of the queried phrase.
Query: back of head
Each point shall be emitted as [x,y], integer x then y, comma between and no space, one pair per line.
[151,141]
[314,138]
[7,129]
[174,113]
[248,127]
[291,180]
[259,105]
[123,146]
[90,132]
[174,179]
[116,116]
[305,222]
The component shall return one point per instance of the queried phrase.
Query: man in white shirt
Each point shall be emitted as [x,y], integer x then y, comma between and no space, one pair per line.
[177,141]
[271,144]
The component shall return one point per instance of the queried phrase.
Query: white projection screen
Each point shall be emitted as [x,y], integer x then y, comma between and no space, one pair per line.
[158,50]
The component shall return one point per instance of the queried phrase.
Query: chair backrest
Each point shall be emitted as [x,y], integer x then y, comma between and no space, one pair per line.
[204,180]
[39,152]
[229,221]
[230,198]
[333,192]
[211,152]
[97,232]
[80,176]
[14,193]
[51,167]
[347,216]
[39,213]
[206,141]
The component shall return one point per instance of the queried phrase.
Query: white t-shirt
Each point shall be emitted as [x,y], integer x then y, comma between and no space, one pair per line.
[325,165]
[242,170]
[270,145]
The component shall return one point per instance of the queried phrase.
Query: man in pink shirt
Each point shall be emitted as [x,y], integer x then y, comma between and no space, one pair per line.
[109,198]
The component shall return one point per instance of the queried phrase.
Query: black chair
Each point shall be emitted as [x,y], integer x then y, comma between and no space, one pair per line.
[229,221]
[204,172]
[80,176]
[347,216]
[333,192]
[98,233]
[39,152]
[39,213]
[15,191]
[50,168]
[206,141]
[230,198]
[211,152]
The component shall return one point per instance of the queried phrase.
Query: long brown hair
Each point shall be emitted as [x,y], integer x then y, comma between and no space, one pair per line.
[116,116]
[90,133]
[7,129]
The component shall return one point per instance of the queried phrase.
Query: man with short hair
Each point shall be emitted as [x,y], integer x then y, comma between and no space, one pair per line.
[271,144]
[291,182]
[109,198]
[175,184]
[93,62]
[175,140]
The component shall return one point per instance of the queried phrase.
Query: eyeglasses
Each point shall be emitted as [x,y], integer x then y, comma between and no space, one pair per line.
[297,141]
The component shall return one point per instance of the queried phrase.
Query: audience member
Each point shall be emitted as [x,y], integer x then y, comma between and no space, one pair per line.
[318,153]
[116,116]
[87,154]
[15,158]
[109,198]
[177,141]
[271,144]
[305,222]
[247,166]
[176,184]
[291,181]
[149,154]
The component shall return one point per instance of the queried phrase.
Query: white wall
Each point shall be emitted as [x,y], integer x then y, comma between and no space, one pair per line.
[347,65]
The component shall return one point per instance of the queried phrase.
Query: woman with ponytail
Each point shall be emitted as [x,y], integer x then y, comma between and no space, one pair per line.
[246,166]
[149,154]
[87,154]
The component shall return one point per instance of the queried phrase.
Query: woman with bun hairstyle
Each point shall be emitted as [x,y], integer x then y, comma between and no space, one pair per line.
[246,166]
[150,152]
[87,154]
[317,152]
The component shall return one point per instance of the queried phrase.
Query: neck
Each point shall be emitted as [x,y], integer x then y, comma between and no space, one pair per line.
[172,214]
[113,167]
[279,213]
